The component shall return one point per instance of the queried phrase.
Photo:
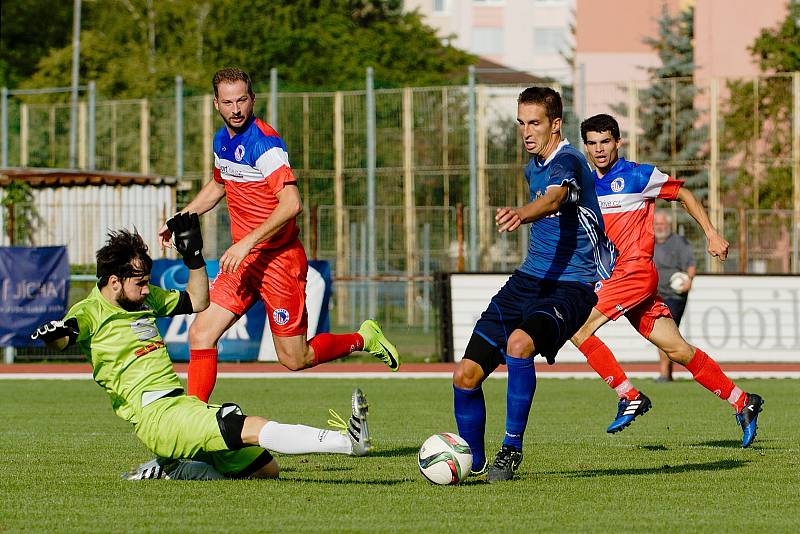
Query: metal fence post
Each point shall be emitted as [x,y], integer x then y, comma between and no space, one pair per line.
[273,98]
[178,127]
[371,231]
[339,214]
[426,271]
[714,203]
[795,172]
[8,355]
[409,203]
[473,176]
[4,126]
[92,135]
[144,136]
[633,119]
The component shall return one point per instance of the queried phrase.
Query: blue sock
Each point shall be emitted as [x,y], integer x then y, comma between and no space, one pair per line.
[519,396]
[470,410]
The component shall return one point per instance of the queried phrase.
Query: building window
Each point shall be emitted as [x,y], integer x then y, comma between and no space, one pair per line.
[440,6]
[549,40]
[487,41]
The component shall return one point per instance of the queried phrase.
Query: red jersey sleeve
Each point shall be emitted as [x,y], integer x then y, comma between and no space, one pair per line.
[660,185]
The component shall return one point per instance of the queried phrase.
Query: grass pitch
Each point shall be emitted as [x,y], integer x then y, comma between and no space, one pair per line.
[679,468]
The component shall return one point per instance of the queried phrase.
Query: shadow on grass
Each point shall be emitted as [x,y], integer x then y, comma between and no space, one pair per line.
[397,451]
[734,444]
[350,481]
[722,443]
[653,447]
[665,469]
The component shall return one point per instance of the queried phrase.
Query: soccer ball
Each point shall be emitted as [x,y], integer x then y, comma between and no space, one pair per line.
[677,281]
[445,458]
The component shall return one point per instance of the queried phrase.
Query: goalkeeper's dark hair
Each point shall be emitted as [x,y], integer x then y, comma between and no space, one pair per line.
[599,124]
[119,257]
[548,98]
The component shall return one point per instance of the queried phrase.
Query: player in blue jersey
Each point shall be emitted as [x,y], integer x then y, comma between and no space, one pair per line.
[549,296]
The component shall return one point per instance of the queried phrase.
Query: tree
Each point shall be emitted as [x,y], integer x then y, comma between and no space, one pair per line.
[21,48]
[671,136]
[766,144]
[21,213]
[137,48]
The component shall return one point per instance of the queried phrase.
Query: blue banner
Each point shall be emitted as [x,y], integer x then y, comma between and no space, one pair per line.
[34,284]
[249,339]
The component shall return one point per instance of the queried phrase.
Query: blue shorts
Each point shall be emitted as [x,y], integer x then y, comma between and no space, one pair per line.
[550,311]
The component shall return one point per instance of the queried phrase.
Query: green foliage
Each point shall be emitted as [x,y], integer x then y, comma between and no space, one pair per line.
[758,119]
[21,48]
[135,48]
[682,464]
[21,214]
[671,137]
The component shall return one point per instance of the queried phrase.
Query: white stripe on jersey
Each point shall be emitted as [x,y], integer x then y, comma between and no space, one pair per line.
[238,172]
[654,183]
[272,160]
[588,220]
[622,202]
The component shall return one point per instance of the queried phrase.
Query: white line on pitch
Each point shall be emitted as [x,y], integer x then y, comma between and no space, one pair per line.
[410,375]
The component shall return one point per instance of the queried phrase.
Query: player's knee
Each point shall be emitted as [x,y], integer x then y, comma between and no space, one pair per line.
[467,375]
[520,344]
[294,360]
[270,470]
[681,354]
[200,337]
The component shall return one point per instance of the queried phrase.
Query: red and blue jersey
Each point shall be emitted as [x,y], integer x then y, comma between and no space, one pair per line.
[627,196]
[570,245]
[254,167]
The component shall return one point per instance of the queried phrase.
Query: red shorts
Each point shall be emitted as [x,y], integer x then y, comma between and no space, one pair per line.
[632,291]
[278,277]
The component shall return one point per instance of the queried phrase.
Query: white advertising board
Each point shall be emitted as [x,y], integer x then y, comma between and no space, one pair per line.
[733,318]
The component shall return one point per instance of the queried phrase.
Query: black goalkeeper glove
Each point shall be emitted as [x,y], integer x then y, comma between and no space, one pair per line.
[54,330]
[185,228]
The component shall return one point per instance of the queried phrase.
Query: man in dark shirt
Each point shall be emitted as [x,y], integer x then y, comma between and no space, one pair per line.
[673,254]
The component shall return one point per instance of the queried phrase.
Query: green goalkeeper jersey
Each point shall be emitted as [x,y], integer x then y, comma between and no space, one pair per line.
[128,355]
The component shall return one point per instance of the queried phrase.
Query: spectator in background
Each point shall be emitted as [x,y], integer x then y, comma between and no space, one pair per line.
[673,254]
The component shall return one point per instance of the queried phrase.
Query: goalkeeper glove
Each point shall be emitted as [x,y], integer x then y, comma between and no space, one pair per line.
[55,330]
[185,228]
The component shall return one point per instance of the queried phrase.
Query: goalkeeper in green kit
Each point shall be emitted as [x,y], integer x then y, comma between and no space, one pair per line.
[115,328]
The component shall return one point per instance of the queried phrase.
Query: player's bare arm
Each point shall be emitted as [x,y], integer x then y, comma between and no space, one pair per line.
[208,197]
[289,206]
[509,219]
[717,245]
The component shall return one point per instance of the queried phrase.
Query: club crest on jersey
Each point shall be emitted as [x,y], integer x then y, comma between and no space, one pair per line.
[617,184]
[239,153]
[280,316]
[597,286]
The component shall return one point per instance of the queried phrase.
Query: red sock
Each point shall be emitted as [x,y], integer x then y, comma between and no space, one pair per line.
[202,373]
[603,362]
[329,347]
[708,374]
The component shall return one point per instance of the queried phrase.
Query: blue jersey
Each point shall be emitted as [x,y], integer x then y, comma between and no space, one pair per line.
[570,245]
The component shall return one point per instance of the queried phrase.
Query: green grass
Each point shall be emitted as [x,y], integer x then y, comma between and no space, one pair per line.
[679,468]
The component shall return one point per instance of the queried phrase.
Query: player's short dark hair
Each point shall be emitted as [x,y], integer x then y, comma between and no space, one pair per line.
[231,75]
[548,98]
[600,123]
[119,257]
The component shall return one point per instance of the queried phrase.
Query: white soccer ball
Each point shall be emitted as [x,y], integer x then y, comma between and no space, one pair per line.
[677,281]
[445,458]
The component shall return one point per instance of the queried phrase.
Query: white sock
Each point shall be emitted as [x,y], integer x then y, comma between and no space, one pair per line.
[302,439]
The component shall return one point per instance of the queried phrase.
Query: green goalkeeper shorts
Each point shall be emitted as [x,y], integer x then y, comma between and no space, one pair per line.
[186,427]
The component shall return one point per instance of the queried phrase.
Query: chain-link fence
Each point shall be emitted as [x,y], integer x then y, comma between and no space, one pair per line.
[735,142]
